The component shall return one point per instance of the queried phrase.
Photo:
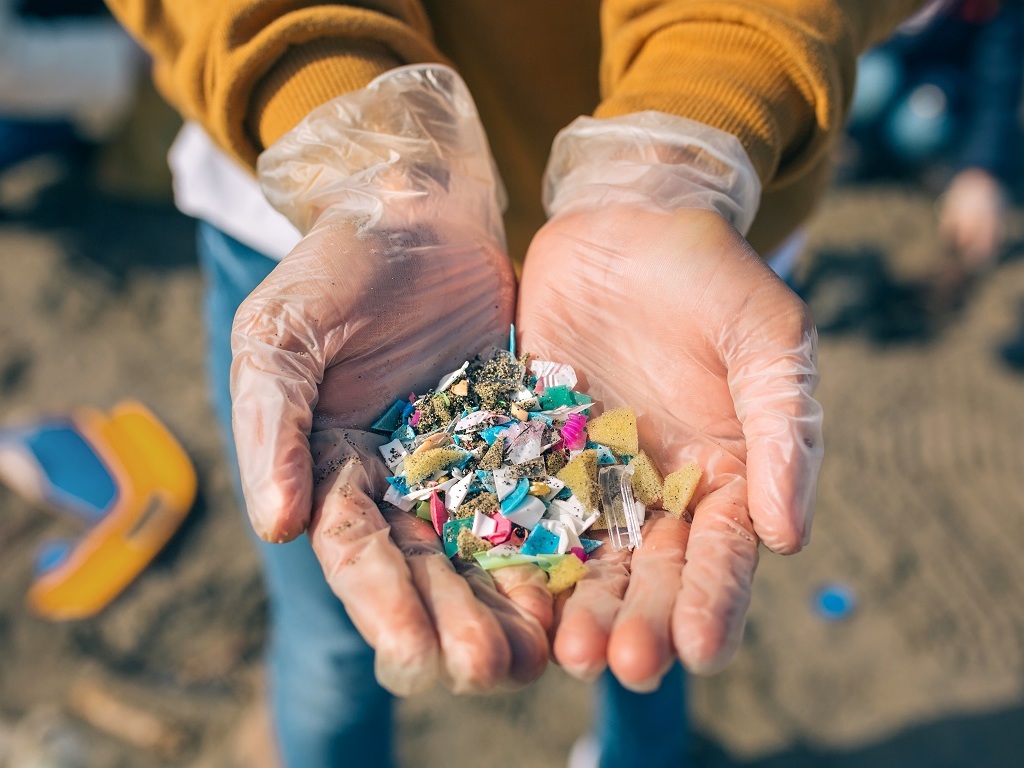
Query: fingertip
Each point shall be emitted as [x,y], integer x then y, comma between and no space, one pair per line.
[638,656]
[581,646]
[528,592]
[704,647]
[280,510]
[408,669]
[477,659]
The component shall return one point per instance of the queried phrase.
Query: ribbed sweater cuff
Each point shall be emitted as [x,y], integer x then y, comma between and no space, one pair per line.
[726,75]
[308,76]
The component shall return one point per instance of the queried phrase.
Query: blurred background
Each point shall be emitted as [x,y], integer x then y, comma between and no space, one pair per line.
[895,639]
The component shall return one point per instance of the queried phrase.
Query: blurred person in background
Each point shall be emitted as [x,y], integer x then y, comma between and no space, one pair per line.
[68,73]
[940,101]
[391,268]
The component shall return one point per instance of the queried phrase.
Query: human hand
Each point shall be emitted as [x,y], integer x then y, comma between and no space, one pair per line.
[666,308]
[401,277]
[972,218]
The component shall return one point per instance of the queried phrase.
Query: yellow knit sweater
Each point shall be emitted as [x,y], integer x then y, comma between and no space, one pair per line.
[776,73]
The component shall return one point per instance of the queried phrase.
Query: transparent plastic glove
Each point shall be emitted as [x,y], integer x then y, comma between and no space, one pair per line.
[642,282]
[400,277]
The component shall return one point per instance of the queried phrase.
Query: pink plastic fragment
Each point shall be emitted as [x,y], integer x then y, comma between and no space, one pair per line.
[438,512]
[415,418]
[574,433]
[503,531]
[581,553]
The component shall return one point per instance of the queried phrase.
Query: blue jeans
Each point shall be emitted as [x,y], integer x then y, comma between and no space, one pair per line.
[327,706]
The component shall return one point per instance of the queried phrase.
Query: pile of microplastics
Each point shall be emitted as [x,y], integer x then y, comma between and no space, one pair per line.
[503,460]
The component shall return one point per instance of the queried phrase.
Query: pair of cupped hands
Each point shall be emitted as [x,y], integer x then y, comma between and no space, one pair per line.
[639,280]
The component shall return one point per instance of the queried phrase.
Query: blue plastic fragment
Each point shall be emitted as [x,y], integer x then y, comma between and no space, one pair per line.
[834,602]
[407,411]
[491,433]
[564,494]
[391,419]
[486,479]
[399,484]
[589,545]
[512,339]
[405,433]
[541,541]
[605,457]
[515,498]
[77,476]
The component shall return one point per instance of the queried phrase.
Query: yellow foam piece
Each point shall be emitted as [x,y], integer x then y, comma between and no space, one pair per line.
[580,475]
[679,488]
[648,484]
[419,466]
[565,574]
[616,429]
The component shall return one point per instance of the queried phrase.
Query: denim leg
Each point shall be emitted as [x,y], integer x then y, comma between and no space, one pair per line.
[646,730]
[328,709]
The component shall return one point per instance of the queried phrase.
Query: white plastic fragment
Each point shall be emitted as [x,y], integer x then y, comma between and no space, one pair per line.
[525,444]
[566,536]
[550,374]
[528,513]
[448,380]
[572,510]
[477,420]
[483,525]
[504,484]
[424,493]
[394,454]
[393,496]
[457,493]
[555,485]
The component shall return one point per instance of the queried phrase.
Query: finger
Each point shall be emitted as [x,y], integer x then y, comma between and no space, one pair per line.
[273,392]
[721,556]
[640,651]
[527,637]
[772,381]
[583,622]
[475,654]
[369,574]
[526,587]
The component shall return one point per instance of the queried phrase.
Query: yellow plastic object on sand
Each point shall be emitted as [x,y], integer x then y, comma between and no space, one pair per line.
[155,487]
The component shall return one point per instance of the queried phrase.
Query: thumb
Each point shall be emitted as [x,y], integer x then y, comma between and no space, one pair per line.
[772,377]
[275,374]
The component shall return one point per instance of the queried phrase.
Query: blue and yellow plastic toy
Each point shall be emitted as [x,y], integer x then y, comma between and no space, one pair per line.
[123,475]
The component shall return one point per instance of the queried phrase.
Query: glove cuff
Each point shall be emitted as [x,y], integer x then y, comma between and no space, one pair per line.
[651,160]
[408,146]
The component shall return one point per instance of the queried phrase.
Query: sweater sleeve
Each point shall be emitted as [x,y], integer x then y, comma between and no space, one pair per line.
[250,70]
[778,74]
[993,103]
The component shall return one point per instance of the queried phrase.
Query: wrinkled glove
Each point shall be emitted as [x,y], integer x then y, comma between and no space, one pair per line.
[641,280]
[400,277]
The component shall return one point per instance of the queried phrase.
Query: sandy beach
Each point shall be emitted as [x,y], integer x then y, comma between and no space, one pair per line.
[920,513]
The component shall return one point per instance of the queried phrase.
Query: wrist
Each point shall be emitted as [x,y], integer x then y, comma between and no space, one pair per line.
[407,147]
[651,160]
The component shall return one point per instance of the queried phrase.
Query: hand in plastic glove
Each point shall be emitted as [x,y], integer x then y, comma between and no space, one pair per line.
[642,284]
[400,278]
[972,218]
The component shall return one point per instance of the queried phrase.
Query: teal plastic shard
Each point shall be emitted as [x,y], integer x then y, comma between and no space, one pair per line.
[622,515]
[541,542]
[450,534]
